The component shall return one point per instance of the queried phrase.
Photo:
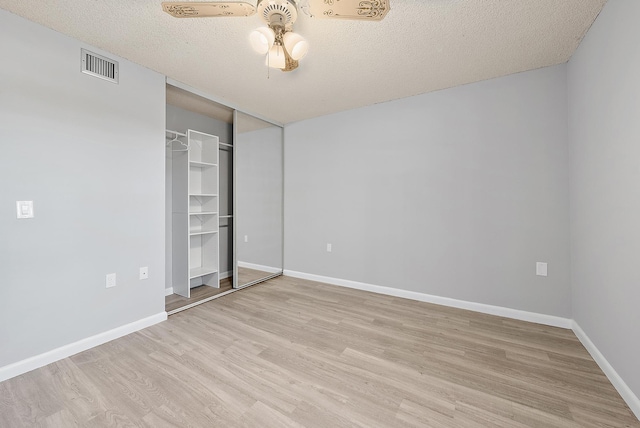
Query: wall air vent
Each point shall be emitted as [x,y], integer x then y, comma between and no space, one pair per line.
[99,66]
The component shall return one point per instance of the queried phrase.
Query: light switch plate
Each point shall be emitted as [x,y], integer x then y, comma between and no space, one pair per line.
[541,269]
[24,209]
[111,280]
[329,247]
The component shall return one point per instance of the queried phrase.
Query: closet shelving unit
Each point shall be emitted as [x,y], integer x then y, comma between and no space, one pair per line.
[195,217]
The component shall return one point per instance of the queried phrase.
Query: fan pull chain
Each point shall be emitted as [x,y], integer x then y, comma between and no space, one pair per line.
[268,66]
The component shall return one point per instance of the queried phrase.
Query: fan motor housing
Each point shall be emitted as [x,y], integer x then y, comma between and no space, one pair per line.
[279,12]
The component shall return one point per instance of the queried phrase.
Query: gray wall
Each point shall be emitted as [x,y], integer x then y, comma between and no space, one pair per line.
[180,120]
[456,193]
[259,196]
[604,131]
[90,154]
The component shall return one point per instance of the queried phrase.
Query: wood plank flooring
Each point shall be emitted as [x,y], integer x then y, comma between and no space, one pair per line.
[246,275]
[295,353]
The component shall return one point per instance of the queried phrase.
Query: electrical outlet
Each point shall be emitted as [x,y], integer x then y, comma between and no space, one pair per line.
[246,238]
[541,269]
[328,248]
[111,280]
[144,272]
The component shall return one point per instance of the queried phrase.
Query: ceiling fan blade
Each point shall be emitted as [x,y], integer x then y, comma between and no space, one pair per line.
[207,9]
[369,10]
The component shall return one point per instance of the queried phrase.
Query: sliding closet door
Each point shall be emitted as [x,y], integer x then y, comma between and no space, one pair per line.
[258,200]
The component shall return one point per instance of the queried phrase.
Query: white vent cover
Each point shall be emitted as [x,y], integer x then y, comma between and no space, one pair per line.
[99,66]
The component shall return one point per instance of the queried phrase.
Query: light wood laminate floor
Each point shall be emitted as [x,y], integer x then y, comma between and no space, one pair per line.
[246,275]
[294,353]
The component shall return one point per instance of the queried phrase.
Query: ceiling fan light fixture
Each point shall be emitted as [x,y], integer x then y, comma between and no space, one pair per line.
[276,58]
[282,47]
[262,39]
[295,44]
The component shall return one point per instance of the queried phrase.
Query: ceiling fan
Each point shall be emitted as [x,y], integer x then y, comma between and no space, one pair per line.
[283,48]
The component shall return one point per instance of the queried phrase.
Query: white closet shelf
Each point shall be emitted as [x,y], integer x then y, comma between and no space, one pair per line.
[207,232]
[199,164]
[201,271]
[195,258]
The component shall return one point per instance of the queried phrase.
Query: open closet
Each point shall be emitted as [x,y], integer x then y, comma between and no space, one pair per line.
[224,199]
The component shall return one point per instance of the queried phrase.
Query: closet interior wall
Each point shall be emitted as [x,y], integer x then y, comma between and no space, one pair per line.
[180,120]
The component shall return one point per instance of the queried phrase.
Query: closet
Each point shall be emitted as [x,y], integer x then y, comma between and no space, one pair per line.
[210,250]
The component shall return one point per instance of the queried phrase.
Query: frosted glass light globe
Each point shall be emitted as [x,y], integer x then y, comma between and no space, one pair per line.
[262,39]
[276,59]
[296,45]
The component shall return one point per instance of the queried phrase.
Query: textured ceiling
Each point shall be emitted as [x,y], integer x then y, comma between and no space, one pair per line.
[421,46]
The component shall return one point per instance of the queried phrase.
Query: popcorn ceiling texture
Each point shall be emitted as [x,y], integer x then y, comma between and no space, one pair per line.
[421,46]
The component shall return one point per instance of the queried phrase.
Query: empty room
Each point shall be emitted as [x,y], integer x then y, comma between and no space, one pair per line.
[320,213]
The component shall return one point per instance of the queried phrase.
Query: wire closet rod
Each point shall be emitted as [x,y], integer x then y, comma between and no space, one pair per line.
[176,133]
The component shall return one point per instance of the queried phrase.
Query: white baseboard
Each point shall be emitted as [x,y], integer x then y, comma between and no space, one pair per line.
[623,389]
[550,320]
[263,268]
[32,363]
[168,291]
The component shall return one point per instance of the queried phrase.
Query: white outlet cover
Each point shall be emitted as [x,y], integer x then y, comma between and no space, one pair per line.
[541,269]
[144,273]
[328,248]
